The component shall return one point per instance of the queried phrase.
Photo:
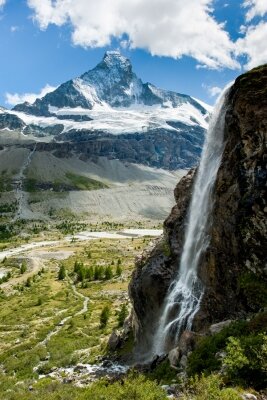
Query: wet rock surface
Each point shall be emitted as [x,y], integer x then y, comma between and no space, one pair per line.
[84,374]
[233,269]
[156,268]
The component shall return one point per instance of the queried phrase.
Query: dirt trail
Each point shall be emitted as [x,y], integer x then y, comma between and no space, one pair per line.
[81,236]
[26,247]
[34,265]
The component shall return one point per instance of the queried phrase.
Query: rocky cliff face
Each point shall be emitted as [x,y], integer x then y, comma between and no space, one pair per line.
[233,269]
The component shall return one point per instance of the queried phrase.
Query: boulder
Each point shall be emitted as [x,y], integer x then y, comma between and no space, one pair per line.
[216,328]
[114,340]
[249,396]
[174,357]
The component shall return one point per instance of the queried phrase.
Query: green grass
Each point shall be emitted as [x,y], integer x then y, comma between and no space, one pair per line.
[30,185]
[132,388]
[31,312]
[5,182]
[84,183]
[245,346]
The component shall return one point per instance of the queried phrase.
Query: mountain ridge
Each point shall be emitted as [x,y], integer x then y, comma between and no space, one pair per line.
[109,112]
[112,83]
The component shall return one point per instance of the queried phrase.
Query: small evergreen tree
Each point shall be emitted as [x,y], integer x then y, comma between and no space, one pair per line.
[89,274]
[96,273]
[118,270]
[122,315]
[76,267]
[62,273]
[108,273]
[104,317]
[28,282]
[23,267]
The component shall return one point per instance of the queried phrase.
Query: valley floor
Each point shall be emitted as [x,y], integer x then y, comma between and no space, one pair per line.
[47,323]
[61,300]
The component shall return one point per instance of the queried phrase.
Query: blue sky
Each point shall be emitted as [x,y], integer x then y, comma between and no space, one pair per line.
[192,47]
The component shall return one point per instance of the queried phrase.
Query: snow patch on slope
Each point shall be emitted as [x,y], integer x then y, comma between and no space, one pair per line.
[136,118]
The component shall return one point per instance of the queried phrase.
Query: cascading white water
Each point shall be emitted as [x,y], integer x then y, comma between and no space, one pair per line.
[185,293]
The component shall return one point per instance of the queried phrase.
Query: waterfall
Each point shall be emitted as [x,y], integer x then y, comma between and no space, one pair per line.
[184,296]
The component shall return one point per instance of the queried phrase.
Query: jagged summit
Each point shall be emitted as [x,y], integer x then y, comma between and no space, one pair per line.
[115,58]
[113,64]
[112,83]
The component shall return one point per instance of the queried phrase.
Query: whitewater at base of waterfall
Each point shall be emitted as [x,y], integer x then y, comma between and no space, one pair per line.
[184,296]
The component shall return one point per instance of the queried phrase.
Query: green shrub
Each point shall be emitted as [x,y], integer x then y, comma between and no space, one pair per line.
[108,273]
[245,344]
[23,267]
[203,358]
[132,388]
[209,388]
[246,360]
[62,272]
[28,282]
[39,301]
[163,373]
[84,183]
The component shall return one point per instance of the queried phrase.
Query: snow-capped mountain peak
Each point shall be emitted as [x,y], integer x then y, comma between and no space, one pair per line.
[112,83]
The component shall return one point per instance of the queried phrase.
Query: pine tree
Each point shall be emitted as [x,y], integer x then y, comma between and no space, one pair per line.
[118,270]
[108,273]
[96,273]
[104,317]
[28,282]
[23,267]
[76,266]
[62,273]
[122,315]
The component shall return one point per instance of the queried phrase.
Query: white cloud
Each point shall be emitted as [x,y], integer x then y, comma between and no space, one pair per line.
[214,91]
[16,98]
[2,3]
[163,27]
[255,8]
[253,45]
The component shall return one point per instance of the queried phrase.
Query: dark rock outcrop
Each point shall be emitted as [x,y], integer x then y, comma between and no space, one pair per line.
[160,149]
[11,121]
[233,269]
